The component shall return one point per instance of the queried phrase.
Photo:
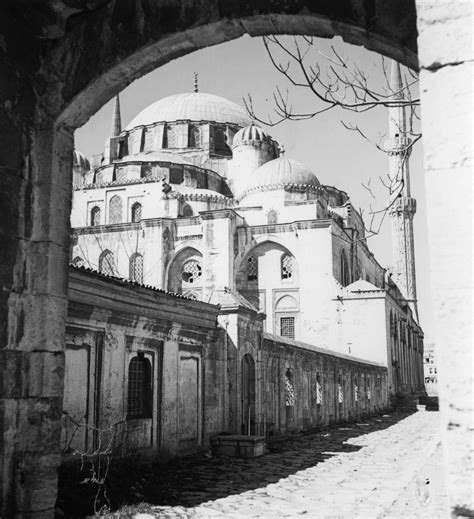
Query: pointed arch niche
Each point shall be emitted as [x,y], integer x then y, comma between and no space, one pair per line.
[185,273]
[267,273]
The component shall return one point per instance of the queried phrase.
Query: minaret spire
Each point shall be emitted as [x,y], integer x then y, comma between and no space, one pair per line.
[111,144]
[116,126]
[403,208]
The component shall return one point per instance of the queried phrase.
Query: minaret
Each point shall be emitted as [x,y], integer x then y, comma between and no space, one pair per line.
[403,207]
[111,144]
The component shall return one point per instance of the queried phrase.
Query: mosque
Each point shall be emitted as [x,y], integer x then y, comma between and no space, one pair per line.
[212,272]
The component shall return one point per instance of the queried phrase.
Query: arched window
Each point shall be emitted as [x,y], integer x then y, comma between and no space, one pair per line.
[106,263]
[187,211]
[191,272]
[344,270]
[115,209]
[78,262]
[136,212]
[219,141]
[272,217]
[170,137]
[287,266]
[95,216]
[319,390]
[136,268]
[252,268]
[140,400]
[194,136]
[289,389]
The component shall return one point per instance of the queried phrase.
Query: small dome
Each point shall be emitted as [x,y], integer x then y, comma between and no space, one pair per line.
[282,172]
[80,161]
[251,133]
[191,106]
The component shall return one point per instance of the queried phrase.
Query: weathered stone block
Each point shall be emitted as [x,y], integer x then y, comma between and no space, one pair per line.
[239,446]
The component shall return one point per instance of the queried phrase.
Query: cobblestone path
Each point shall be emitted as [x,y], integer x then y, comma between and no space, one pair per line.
[376,468]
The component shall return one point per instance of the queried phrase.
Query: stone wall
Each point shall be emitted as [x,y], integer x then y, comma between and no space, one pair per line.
[112,324]
[305,387]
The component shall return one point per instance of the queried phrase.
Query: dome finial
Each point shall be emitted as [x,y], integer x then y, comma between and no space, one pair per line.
[196,88]
[281,149]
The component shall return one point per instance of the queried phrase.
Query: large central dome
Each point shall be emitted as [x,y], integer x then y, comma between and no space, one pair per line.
[192,106]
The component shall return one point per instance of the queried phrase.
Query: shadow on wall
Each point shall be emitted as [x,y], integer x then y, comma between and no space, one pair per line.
[191,481]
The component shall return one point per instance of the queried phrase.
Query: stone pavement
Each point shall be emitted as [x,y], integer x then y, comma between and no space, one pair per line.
[387,467]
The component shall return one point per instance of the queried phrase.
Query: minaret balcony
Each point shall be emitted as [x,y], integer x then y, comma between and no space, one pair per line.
[398,145]
[403,204]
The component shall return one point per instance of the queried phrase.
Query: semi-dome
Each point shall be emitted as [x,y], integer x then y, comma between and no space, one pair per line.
[282,172]
[192,106]
[251,133]
[80,161]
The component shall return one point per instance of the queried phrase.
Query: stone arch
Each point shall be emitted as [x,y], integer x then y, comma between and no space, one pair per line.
[84,85]
[185,273]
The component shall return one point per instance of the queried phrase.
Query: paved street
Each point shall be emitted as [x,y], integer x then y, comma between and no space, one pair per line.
[385,467]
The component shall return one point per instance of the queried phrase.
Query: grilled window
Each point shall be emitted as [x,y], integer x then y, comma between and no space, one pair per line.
[319,391]
[136,212]
[115,209]
[289,389]
[136,268]
[191,272]
[287,266]
[340,391]
[95,216]
[194,136]
[252,268]
[287,327]
[139,388]
[78,262]
[170,137]
[106,263]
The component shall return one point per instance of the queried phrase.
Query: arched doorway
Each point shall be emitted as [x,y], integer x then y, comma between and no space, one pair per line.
[248,395]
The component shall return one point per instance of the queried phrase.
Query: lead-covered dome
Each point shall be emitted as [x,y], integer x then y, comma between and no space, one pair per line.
[249,134]
[281,172]
[191,106]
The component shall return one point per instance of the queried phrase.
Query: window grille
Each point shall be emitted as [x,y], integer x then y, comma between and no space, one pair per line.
[78,262]
[136,212]
[340,393]
[194,136]
[287,327]
[191,272]
[120,174]
[289,390]
[272,217]
[356,392]
[170,138]
[252,268]
[136,268]
[106,263]
[319,392]
[139,388]
[287,265]
[95,216]
[115,209]
[220,141]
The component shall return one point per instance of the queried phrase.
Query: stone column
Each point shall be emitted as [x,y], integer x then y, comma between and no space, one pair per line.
[446,72]
[35,173]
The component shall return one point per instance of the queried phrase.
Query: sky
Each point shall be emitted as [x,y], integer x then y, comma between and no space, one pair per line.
[336,155]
